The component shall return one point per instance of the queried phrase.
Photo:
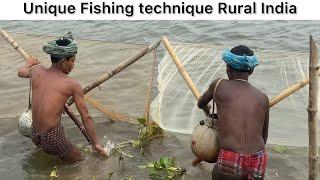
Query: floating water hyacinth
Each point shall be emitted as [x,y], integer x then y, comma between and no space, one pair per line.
[165,168]
[112,149]
[146,135]
[54,173]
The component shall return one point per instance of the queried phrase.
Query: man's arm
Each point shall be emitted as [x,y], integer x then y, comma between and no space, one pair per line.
[207,97]
[86,119]
[24,71]
[266,124]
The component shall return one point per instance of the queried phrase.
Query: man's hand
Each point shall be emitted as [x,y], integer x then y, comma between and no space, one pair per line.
[25,70]
[101,151]
[31,61]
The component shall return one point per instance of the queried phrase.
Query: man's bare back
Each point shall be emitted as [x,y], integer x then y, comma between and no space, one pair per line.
[50,91]
[242,110]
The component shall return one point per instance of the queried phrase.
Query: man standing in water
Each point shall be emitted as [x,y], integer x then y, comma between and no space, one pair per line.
[51,88]
[243,118]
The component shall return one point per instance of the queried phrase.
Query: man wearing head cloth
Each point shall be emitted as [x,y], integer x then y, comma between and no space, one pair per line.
[243,118]
[51,88]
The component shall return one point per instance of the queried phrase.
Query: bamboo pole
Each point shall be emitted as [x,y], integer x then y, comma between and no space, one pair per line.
[109,114]
[25,55]
[289,91]
[182,71]
[313,110]
[14,44]
[118,68]
[149,93]
[78,124]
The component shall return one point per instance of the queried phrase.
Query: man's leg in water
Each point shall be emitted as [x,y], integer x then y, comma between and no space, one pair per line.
[74,155]
[217,175]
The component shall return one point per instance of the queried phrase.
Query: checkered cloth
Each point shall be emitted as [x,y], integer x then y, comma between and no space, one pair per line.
[249,166]
[53,142]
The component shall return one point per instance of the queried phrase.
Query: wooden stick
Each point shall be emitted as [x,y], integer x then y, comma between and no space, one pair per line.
[118,69]
[289,91]
[182,71]
[149,93]
[14,44]
[313,110]
[109,114]
[25,55]
[78,124]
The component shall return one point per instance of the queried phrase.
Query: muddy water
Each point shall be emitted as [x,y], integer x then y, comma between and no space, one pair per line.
[22,160]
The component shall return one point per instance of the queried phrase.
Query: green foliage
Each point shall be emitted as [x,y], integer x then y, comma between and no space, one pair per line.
[83,148]
[54,173]
[142,121]
[280,149]
[118,150]
[146,135]
[110,176]
[165,169]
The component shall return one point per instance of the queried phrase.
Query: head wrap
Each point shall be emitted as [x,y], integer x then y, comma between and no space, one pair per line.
[241,63]
[60,51]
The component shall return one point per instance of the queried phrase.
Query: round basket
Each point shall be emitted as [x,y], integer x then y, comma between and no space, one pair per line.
[25,123]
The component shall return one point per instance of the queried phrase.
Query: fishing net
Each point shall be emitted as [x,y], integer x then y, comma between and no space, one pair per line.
[175,108]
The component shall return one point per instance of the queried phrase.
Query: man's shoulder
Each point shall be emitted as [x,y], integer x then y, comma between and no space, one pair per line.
[71,81]
[214,82]
[263,96]
[37,68]
[37,71]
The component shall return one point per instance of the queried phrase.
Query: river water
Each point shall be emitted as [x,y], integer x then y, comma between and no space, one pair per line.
[104,44]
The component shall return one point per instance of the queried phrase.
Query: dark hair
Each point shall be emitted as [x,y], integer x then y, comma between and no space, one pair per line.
[242,50]
[55,60]
[60,42]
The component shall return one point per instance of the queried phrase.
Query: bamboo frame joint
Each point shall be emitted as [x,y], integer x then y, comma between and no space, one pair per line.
[312,109]
[316,68]
[314,157]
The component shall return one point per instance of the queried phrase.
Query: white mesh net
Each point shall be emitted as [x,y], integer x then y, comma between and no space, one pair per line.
[175,109]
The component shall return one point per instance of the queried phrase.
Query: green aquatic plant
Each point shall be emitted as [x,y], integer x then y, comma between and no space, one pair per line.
[165,169]
[110,176]
[54,173]
[280,149]
[146,134]
[114,149]
[118,150]
[86,149]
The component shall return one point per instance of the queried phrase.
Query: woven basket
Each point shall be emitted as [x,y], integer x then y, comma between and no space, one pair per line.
[25,123]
